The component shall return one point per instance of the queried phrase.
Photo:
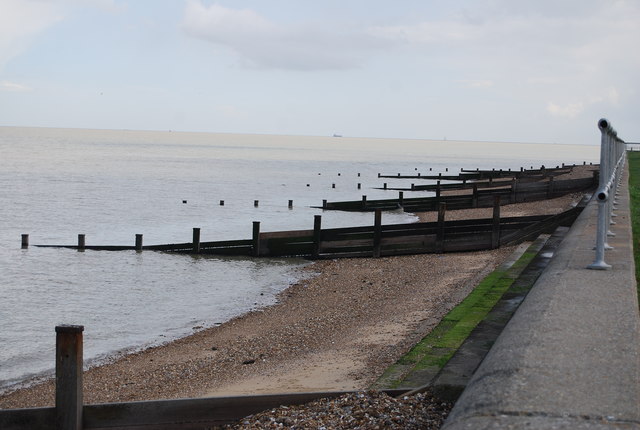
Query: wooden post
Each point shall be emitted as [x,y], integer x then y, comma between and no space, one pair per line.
[384,186]
[550,188]
[81,242]
[442,209]
[438,190]
[290,204]
[377,233]
[495,231]
[256,238]
[364,202]
[324,204]
[25,241]
[333,185]
[139,242]
[359,185]
[69,377]
[196,240]
[474,198]
[221,202]
[400,199]
[256,203]
[514,186]
[317,235]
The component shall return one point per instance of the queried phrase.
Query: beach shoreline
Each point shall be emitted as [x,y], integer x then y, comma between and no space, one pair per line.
[336,330]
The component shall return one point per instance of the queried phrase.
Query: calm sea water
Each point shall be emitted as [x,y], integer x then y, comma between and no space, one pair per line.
[111,185]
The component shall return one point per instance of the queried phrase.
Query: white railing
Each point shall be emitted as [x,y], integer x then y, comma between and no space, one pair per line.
[612,159]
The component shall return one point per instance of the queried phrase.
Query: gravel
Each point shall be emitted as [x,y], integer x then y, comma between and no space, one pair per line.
[362,410]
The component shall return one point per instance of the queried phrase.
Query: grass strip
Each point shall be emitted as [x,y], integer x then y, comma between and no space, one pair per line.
[435,349]
[633,158]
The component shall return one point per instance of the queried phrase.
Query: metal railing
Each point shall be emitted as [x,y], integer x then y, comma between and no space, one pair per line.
[612,159]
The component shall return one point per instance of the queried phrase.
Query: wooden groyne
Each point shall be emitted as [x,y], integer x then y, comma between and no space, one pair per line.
[512,191]
[70,412]
[375,240]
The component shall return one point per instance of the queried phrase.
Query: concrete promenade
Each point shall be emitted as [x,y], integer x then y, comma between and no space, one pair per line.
[570,356]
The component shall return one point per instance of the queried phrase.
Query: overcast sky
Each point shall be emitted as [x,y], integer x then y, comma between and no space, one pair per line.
[497,70]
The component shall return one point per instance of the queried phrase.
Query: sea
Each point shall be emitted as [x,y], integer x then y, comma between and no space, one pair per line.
[113,184]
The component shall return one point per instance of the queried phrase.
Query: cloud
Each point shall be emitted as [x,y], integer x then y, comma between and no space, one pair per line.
[570,110]
[477,83]
[13,87]
[262,43]
[20,22]
[609,96]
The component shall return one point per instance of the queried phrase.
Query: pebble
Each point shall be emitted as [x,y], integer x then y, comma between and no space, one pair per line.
[362,410]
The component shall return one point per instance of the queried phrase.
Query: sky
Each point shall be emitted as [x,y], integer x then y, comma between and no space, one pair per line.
[490,70]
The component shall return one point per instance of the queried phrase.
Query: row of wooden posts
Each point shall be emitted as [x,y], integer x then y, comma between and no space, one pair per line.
[256,235]
[373,241]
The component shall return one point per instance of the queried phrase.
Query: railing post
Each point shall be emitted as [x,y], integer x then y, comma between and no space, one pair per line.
[364,202]
[400,199]
[317,235]
[612,159]
[69,377]
[256,239]
[514,186]
[495,231]
[377,233]
[196,240]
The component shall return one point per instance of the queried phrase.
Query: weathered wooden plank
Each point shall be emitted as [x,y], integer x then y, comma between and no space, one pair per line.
[192,413]
[26,419]
[229,251]
[226,243]
[286,234]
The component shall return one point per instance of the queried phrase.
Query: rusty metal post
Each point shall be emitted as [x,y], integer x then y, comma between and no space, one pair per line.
[69,377]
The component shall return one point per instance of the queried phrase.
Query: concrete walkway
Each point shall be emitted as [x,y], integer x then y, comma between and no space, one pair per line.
[570,356]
